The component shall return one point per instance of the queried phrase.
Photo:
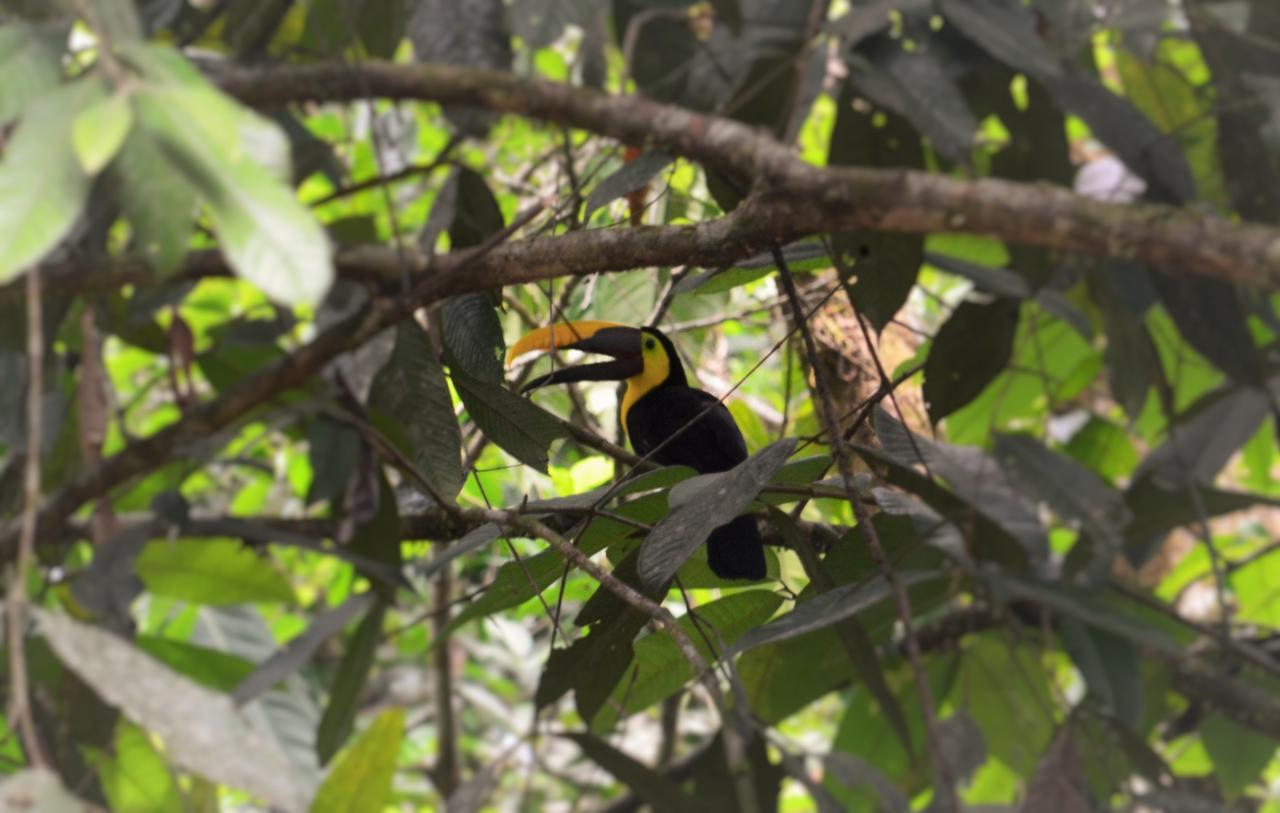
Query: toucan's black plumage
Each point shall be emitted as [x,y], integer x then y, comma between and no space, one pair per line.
[667,420]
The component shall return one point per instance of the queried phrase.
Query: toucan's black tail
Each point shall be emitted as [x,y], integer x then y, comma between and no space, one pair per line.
[734,550]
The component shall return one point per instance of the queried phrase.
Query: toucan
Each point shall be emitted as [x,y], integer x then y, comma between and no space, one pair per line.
[667,420]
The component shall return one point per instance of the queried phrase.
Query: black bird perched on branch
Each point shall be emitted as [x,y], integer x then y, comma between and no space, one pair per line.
[667,421]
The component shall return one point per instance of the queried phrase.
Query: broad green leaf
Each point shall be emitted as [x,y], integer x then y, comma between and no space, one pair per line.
[30,65]
[1110,668]
[659,669]
[1073,491]
[159,203]
[333,447]
[43,188]
[361,777]
[411,390]
[822,611]
[517,426]
[220,671]
[722,497]
[100,131]
[236,161]
[1239,754]
[473,336]
[1006,691]
[210,736]
[628,178]
[138,779]
[968,352]
[211,571]
[344,695]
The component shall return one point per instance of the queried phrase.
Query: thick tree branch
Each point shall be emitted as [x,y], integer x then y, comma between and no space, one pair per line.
[810,199]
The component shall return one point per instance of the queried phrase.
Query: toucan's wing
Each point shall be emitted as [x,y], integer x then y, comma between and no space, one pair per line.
[708,438]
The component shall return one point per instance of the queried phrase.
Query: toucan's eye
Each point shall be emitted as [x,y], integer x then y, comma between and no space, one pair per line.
[649,345]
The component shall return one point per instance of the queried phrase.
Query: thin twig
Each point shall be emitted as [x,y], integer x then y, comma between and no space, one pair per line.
[19,712]
[946,784]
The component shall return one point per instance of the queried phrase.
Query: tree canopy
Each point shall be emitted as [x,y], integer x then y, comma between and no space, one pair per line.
[989,287]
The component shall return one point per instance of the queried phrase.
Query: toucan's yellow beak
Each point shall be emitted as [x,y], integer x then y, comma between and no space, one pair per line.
[620,342]
[557,337]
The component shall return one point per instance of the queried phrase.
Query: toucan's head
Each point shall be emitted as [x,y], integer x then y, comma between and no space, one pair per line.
[643,357]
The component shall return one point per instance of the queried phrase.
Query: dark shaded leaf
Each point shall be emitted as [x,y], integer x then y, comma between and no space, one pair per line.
[1211,318]
[381,26]
[968,352]
[1074,492]
[1201,443]
[1157,510]
[1133,362]
[334,449]
[822,611]
[714,784]
[886,264]
[1110,668]
[643,781]
[411,390]
[377,540]
[918,84]
[997,281]
[1010,35]
[473,337]
[344,695]
[628,178]
[724,496]
[974,476]
[516,425]
[476,36]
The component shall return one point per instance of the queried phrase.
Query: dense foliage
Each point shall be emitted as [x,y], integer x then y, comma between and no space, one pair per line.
[998,323]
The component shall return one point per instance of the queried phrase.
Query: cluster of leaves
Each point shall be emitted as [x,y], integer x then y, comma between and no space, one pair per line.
[252,612]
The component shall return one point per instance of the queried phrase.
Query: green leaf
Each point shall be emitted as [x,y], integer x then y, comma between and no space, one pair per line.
[411,389]
[211,571]
[100,131]
[473,336]
[1110,668]
[1007,693]
[138,780]
[1239,754]
[361,778]
[30,65]
[344,695]
[378,540]
[217,670]
[721,497]
[381,26]
[237,161]
[1071,490]
[649,785]
[823,610]
[159,203]
[625,180]
[885,264]
[43,188]
[968,352]
[659,669]
[334,449]
[513,423]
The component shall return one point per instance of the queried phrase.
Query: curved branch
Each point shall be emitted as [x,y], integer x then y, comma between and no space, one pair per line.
[808,199]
